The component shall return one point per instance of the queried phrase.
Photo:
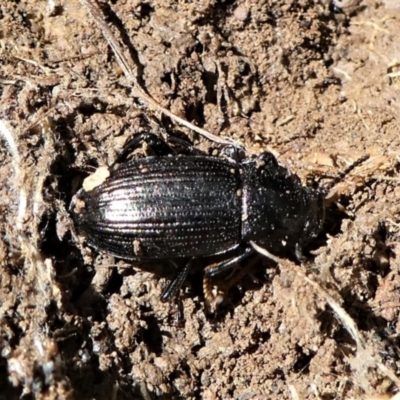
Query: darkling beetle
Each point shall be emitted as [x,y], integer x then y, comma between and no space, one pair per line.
[181,203]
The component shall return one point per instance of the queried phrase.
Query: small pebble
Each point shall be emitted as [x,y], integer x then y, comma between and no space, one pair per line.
[241,13]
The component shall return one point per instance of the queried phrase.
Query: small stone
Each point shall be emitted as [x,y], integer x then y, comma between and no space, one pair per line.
[241,13]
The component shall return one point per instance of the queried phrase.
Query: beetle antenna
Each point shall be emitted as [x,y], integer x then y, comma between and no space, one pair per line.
[345,172]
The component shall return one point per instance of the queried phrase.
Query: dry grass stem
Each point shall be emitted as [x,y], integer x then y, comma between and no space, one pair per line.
[137,90]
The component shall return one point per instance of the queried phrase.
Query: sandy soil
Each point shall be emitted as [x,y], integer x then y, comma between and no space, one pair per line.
[318,87]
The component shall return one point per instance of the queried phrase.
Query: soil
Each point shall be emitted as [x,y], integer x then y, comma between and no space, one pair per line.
[315,82]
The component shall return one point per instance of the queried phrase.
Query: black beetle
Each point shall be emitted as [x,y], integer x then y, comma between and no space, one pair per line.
[186,204]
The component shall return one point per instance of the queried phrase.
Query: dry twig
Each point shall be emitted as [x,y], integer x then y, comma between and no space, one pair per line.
[137,90]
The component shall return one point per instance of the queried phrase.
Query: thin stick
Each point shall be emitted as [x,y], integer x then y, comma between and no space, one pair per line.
[137,90]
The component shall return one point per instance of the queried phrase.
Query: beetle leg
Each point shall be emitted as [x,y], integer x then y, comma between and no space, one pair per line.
[172,288]
[184,146]
[156,144]
[224,265]
[212,300]
[234,153]
[298,252]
